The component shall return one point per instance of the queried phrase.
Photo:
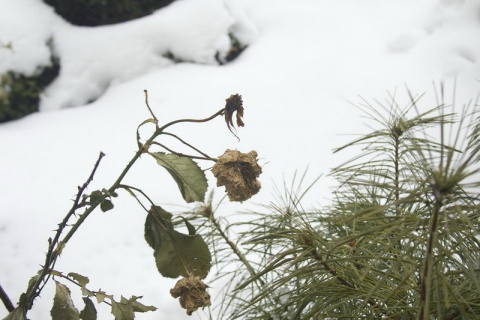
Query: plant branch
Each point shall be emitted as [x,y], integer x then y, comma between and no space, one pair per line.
[93,292]
[426,283]
[56,245]
[144,148]
[235,249]
[218,113]
[182,154]
[53,247]
[342,280]
[187,144]
[114,186]
[148,106]
[129,190]
[333,272]
[6,300]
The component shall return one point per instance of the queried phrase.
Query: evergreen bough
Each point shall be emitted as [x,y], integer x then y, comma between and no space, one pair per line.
[400,239]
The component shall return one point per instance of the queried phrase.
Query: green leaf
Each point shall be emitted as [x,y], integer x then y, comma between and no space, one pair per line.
[106,205]
[31,284]
[187,174]
[139,307]
[157,220]
[190,227]
[17,314]
[79,278]
[83,281]
[175,251]
[100,296]
[63,308]
[87,293]
[126,308]
[89,312]
[179,251]
[97,197]
[100,197]
[122,310]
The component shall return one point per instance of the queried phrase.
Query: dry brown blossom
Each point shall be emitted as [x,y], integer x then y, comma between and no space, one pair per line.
[234,103]
[192,292]
[238,172]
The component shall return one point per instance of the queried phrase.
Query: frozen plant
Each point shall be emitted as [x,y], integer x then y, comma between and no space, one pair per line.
[176,254]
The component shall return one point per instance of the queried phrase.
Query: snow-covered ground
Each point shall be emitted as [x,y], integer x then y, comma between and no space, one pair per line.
[305,61]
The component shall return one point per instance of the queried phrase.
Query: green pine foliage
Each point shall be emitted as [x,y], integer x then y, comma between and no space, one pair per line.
[400,239]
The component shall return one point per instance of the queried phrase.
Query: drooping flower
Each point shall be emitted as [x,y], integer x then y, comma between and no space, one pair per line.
[233,104]
[238,172]
[192,293]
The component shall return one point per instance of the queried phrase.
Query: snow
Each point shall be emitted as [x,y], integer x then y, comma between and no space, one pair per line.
[305,61]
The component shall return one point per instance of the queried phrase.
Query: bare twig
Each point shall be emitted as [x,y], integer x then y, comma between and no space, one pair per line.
[148,106]
[6,300]
[187,144]
[52,253]
[236,250]
[216,114]
[182,154]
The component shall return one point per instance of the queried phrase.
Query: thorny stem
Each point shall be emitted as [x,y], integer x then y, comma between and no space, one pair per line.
[6,300]
[112,189]
[52,253]
[54,249]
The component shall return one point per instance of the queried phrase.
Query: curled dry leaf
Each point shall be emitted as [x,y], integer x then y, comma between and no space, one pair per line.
[192,293]
[234,104]
[238,172]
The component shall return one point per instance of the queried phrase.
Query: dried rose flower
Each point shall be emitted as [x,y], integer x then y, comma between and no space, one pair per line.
[192,292]
[238,172]
[234,103]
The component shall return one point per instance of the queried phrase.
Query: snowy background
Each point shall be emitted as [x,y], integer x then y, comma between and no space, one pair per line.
[306,61]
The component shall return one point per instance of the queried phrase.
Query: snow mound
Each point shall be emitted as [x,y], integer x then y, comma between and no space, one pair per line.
[91,58]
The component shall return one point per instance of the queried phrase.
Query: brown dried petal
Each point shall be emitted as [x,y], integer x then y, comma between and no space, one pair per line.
[239,117]
[234,104]
[192,292]
[238,172]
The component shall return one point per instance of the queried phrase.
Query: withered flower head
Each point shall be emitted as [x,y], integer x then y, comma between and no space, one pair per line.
[192,292]
[234,103]
[238,172]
